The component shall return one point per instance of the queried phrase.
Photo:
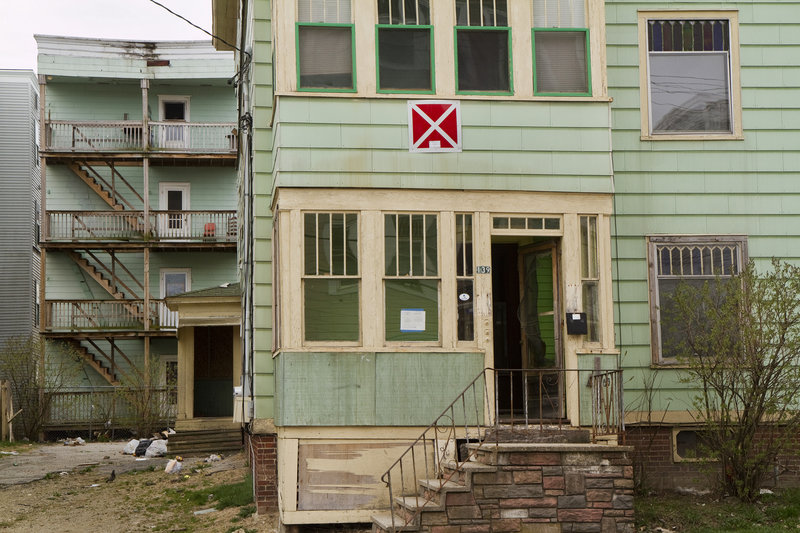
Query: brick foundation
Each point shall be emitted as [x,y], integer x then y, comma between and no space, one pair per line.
[263,454]
[656,469]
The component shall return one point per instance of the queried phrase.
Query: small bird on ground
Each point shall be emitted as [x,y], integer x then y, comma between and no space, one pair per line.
[112,477]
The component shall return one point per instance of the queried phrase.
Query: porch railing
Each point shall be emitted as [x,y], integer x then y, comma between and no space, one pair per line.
[101,407]
[495,400]
[129,136]
[195,225]
[102,315]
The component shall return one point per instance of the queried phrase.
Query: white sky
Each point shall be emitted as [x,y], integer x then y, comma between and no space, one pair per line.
[107,19]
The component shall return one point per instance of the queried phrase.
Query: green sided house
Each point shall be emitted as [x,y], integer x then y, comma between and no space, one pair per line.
[705,157]
[426,193]
[139,203]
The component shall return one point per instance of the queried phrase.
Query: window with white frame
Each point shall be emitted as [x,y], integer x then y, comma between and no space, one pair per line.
[465,278]
[560,48]
[331,279]
[483,46]
[404,46]
[325,46]
[689,74]
[694,260]
[590,277]
[411,277]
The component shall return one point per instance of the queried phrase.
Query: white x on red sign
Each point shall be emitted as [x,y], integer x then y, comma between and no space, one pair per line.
[434,126]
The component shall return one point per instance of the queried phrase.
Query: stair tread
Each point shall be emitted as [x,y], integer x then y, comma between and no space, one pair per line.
[415,502]
[384,521]
[471,466]
[442,486]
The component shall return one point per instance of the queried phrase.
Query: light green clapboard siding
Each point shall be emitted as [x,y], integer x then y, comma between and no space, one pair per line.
[371,389]
[113,99]
[749,186]
[344,142]
[263,141]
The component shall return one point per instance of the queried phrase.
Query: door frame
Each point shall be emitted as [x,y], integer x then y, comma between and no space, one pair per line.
[164,219]
[552,247]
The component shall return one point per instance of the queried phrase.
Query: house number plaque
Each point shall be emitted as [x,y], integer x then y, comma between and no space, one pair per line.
[483,269]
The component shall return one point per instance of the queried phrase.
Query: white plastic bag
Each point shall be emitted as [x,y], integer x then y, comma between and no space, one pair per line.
[130,448]
[157,448]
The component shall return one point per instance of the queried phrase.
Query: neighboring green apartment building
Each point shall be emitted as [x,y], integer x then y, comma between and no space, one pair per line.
[706,167]
[139,143]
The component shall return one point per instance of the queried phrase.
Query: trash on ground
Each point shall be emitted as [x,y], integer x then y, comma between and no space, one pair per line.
[142,458]
[205,511]
[9,453]
[157,448]
[213,458]
[130,448]
[93,485]
[141,449]
[173,466]
[765,491]
[74,442]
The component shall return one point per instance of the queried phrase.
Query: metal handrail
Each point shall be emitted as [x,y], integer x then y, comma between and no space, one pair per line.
[442,435]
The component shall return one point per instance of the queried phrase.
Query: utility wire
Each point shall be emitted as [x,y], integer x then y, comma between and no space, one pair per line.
[220,39]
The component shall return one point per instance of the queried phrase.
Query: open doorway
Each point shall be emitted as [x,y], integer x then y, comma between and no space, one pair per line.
[526,303]
[213,371]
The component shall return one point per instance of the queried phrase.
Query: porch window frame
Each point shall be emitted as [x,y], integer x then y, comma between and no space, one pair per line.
[588,58]
[389,90]
[653,242]
[357,277]
[399,277]
[354,87]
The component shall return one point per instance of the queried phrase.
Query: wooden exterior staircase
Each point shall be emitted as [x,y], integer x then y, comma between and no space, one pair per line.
[96,275]
[96,185]
[93,361]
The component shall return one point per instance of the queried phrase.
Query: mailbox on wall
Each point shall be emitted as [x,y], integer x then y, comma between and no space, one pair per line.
[576,324]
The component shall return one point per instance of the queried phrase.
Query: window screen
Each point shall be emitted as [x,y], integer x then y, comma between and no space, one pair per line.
[325,45]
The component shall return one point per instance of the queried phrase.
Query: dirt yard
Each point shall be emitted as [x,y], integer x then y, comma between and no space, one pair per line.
[60,488]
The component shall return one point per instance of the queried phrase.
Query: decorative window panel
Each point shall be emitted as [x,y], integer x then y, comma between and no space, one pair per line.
[691,260]
[330,277]
[526,223]
[465,278]
[689,76]
[325,45]
[404,12]
[411,277]
[481,13]
[559,14]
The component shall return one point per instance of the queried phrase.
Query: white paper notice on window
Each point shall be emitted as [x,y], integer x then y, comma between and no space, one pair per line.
[412,320]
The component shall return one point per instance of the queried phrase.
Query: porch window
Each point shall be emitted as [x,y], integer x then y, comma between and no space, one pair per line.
[411,277]
[693,260]
[404,46]
[331,279]
[590,277]
[483,46]
[465,278]
[325,46]
[560,48]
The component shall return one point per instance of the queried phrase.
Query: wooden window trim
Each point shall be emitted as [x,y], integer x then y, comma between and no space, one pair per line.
[735,78]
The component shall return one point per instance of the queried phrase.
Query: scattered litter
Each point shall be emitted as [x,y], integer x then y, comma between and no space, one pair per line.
[74,442]
[205,511]
[130,448]
[173,466]
[170,431]
[63,473]
[692,491]
[93,485]
[157,448]
[213,458]
[141,458]
[765,491]
[9,453]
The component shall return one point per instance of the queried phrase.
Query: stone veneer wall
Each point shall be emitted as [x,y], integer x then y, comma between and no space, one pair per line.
[262,451]
[558,488]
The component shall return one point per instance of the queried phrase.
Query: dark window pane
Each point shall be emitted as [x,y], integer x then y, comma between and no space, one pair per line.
[174,111]
[552,223]
[431,243]
[417,245]
[310,246]
[466,320]
[390,243]
[483,60]
[404,245]
[337,244]
[404,59]
[331,309]
[326,57]
[383,12]
[323,243]
[351,251]
[561,64]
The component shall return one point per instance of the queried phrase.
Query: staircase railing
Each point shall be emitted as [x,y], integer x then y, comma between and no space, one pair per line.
[481,407]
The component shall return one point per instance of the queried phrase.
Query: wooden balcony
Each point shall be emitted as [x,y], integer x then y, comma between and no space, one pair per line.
[106,316]
[128,136]
[173,227]
[92,407]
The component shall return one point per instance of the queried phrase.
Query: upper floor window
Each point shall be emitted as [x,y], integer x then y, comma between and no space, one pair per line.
[693,260]
[691,77]
[404,46]
[325,46]
[331,277]
[483,46]
[560,48]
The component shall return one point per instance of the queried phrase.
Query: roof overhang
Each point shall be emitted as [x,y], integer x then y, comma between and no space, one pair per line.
[224,18]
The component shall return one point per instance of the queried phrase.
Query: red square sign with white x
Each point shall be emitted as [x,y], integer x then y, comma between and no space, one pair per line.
[434,126]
